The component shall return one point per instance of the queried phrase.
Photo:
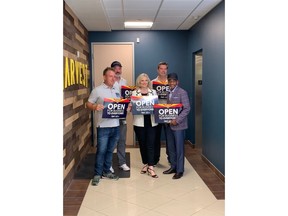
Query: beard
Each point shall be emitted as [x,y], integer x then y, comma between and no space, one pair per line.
[117,75]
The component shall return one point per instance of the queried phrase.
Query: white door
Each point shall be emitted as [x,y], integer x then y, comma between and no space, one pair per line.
[103,54]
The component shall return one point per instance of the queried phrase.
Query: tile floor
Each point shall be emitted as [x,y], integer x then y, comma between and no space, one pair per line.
[142,195]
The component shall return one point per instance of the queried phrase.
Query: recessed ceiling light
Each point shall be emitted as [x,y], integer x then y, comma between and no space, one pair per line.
[138,24]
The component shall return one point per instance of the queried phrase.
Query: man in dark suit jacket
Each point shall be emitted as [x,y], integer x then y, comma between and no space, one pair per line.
[177,126]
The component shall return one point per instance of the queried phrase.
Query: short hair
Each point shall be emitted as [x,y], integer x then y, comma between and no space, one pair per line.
[139,79]
[163,63]
[107,69]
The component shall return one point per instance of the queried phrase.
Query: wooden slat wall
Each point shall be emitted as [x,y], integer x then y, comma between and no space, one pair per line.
[76,118]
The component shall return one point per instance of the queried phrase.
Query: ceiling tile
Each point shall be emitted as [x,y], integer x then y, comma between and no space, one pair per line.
[165,19]
[112,4]
[141,4]
[107,15]
[179,4]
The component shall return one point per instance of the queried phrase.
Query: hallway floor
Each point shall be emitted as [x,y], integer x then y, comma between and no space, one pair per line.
[143,195]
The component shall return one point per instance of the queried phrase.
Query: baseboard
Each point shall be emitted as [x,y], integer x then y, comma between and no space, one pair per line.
[190,143]
[213,168]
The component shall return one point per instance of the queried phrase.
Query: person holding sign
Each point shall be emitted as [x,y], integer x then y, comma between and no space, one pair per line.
[160,84]
[144,124]
[107,128]
[121,145]
[177,95]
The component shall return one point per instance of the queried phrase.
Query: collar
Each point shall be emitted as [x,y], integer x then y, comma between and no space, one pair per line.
[106,86]
[173,89]
[138,92]
[119,80]
[165,83]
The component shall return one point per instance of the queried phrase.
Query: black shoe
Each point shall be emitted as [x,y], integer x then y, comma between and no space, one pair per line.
[177,175]
[169,171]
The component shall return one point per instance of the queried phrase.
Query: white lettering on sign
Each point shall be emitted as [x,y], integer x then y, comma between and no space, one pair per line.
[168,111]
[128,92]
[162,88]
[144,103]
[116,106]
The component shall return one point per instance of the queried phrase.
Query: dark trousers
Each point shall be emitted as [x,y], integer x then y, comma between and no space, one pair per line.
[158,142]
[121,145]
[146,138]
[176,150]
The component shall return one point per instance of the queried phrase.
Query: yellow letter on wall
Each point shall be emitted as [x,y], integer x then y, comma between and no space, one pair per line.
[80,73]
[72,69]
[77,71]
[86,72]
[67,77]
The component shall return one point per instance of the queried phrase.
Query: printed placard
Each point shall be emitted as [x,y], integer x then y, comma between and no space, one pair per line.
[115,108]
[142,105]
[126,91]
[161,88]
[164,113]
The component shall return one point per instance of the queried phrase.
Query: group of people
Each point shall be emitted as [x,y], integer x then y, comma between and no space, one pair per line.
[111,132]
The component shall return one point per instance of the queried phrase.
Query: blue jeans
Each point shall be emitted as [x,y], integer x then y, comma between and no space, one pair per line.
[106,142]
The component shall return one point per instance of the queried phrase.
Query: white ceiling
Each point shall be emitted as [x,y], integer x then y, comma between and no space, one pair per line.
[108,15]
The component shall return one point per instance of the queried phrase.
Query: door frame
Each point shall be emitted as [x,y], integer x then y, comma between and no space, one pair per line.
[94,134]
[196,105]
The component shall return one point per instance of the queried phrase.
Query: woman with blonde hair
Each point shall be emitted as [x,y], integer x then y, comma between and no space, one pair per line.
[145,126]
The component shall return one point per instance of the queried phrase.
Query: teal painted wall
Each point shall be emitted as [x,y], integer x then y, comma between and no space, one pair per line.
[209,35]
[154,46]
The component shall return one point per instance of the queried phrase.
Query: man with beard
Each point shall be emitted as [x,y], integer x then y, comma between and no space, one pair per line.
[121,145]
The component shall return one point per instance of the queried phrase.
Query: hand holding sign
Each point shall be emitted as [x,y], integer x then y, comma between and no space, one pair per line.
[98,107]
[173,122]
[129,107]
